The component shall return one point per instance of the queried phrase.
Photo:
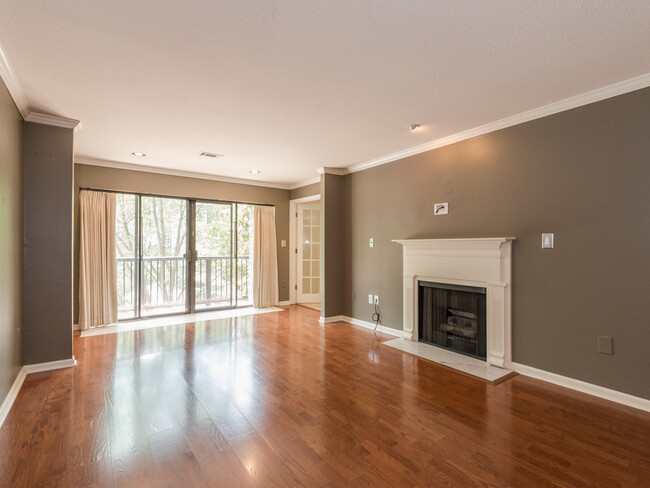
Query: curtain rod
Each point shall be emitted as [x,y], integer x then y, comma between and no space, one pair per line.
[88,188]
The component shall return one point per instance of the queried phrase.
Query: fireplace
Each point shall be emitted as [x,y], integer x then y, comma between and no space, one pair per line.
[453,317]
[461,264]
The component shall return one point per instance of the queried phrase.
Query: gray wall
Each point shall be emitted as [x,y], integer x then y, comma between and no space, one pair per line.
[583,174]
[336,238]
[304,191]
[11,240]
[141,182]
[47,266]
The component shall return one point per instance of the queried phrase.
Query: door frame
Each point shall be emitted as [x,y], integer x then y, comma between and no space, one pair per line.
[293,243]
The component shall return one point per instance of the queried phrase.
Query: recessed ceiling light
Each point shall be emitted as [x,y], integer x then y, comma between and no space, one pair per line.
[254,171]
[139,154]
[414,127]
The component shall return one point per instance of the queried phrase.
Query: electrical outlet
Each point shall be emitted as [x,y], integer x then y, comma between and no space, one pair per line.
[605,345]
[376,299]
[370,299]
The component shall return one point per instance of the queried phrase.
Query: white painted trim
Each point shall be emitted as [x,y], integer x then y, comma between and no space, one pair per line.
[54,120]
[76,327]
[293,242]
[371,325]
[284,304]
[310,198]
[584,387]
[13,85]
[333,318]
[63,363]
[300,184]
[332,171]
[176,172]
[13,393]
[597,95]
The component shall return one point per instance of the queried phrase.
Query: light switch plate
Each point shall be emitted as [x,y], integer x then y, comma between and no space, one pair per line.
[440,208]
[371,242]
[283,243]
[548,241]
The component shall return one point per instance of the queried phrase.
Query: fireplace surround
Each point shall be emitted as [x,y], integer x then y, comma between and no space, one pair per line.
[479,263]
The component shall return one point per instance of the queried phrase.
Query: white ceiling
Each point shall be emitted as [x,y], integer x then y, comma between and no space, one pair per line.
[288,86]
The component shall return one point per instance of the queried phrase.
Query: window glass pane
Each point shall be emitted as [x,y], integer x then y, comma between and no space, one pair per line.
[315,234]
[306,268]
[125,252]
[315,285]
[315,268]
[305,285]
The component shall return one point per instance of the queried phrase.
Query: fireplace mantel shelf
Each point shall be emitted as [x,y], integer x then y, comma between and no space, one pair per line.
[484,262]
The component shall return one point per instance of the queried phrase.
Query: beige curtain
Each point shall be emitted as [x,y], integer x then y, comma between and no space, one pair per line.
[265,258]
[97,265]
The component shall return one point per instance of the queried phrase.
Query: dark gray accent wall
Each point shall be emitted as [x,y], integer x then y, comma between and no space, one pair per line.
[11,240]
[304,191]
[584,175]
[142,182]
[47,266]
[335,245]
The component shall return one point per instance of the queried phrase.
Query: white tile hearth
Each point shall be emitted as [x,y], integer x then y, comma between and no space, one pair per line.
[465,364]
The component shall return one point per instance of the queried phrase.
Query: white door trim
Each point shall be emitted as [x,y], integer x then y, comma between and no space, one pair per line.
[293,242]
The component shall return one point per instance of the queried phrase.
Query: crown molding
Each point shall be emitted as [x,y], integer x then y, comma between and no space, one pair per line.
[597,95]
[55,120]
[332,171]
[300,184]
[176,172]
[11,81]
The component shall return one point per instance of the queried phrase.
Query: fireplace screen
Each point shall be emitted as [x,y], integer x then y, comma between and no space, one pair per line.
[453,317]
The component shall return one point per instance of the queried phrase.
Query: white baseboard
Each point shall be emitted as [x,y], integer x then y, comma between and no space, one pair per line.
[333,318]
[63,363]
[11,396]
[371,325]
[75,327]
[286,303]
[361,323]
[584,387]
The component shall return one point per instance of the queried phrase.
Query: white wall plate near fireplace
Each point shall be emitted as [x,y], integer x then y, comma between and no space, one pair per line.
[547,241]
[440,208]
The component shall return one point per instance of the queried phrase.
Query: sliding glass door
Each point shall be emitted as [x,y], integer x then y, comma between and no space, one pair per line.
[177,255]
[163,255]
[214,271]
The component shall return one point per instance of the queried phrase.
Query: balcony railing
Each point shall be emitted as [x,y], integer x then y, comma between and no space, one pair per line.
[164,282]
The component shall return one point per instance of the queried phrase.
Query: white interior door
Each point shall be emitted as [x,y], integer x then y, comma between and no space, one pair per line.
[308,253]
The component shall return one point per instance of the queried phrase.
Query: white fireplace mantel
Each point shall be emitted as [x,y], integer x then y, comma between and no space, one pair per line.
[481,262]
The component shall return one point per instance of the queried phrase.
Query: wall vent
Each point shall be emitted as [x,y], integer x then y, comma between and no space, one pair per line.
[211,155]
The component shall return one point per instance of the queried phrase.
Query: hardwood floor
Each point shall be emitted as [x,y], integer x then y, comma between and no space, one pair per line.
[279,400]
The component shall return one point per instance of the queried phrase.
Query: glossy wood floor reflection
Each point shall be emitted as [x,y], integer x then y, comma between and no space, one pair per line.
[279,400]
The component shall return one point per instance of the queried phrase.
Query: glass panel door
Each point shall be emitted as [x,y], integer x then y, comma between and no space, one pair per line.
[163,259]
[244,252]
[127,233]
[214,274]
[309,253]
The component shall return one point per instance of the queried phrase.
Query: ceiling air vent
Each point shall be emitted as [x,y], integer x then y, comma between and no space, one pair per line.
[211,155]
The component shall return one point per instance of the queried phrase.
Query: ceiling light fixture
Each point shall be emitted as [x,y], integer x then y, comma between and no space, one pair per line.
[139,154]
[414,127]
[254,171]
